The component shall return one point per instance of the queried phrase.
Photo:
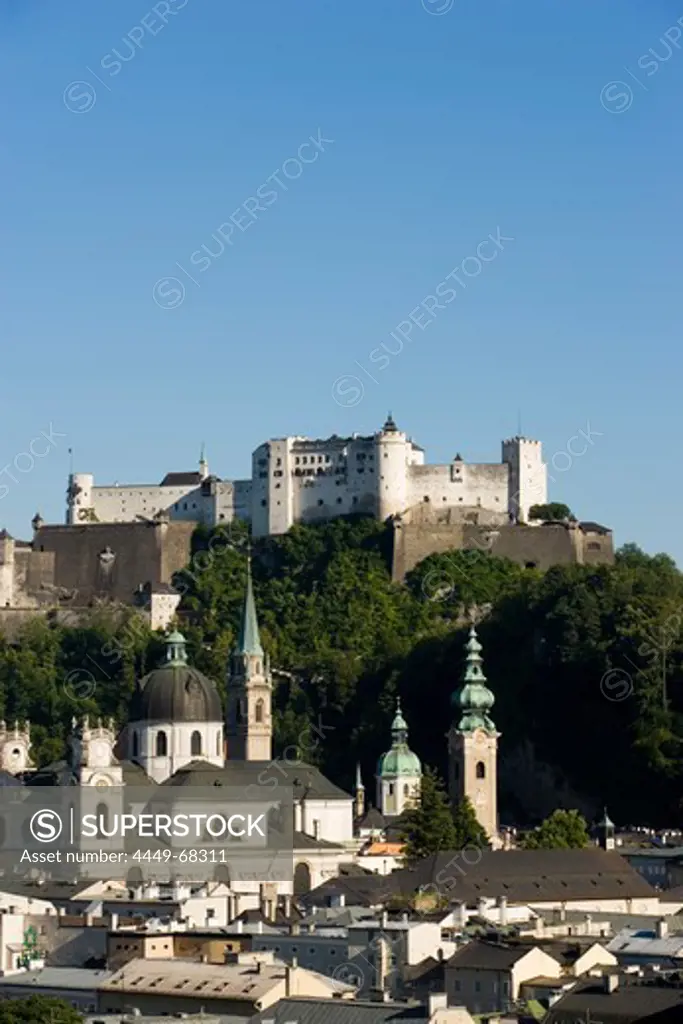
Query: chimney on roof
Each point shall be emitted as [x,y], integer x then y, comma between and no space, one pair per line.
[662,928]
[503,910]
[611,983]
[436,1001]
[294,928]
[289,977]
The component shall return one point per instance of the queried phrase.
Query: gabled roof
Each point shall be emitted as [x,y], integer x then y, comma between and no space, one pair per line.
[180,479]
[525,876]
[306,780]
[653,1003]
[339,1011]
[488,956]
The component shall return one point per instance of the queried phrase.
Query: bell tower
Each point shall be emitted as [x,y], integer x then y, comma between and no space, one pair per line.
[473,744]
[249,727]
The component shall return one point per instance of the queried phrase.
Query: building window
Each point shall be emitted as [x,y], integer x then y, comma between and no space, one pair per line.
[263,502]
[406,789]
[339,501]
[320,501]
[162,744]
[456,986]
[481,770]
[258,712]
[218,743]
[136,744]
[391,789]
[593,546]
[426,497]
[196,744]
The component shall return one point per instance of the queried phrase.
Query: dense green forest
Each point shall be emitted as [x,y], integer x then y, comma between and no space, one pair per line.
[585,662]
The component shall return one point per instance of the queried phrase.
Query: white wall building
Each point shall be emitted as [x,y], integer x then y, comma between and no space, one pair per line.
[300,479]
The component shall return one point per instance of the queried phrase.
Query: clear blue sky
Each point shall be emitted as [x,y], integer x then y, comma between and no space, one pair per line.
[446,127]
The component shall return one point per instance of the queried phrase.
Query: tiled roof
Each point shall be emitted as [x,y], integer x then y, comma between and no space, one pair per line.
[339,1011]
[180,479]
[525,876]
[487,956]
[659,1004]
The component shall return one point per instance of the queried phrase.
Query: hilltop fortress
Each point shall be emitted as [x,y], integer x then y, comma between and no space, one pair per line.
[123,544]
[304,480]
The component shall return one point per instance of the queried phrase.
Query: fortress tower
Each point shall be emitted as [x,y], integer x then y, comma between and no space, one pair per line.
[473,744]
[79,498]
[391,448]
[528,484]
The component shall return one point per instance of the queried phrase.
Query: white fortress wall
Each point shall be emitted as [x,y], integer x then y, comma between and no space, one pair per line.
[460,483]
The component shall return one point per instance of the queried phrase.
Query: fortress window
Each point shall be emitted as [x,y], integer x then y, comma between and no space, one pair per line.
[258,711]
[481,770]
[591,547]
[297,460]
[161,744]
[304,460]
[361,469]
[136,744]
[426,498]
[355,500]
[279,462]
[184,506]
[263,502]
[196,744]
[320,501]
[339,501]
[530,565]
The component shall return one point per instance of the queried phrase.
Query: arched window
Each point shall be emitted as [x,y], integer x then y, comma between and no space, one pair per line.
[481,770]
[196,744]
[259,711]
[162,744]
[136,744]
[406,789]
[102,818]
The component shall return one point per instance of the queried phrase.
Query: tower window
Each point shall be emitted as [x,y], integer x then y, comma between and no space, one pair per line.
[196,744]
[218,743]
[481,770]
[162,744]
[258,711]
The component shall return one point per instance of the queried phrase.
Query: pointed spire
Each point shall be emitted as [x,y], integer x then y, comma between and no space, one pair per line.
[359,777]
[475,699]
[389,426]
[399,726]
[249,641]
[203,464]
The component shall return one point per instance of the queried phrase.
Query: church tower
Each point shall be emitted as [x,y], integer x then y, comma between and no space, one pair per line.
[399,773]
[473,744]
[249,728]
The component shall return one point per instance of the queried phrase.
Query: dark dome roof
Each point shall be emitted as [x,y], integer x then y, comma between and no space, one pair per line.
[176,692]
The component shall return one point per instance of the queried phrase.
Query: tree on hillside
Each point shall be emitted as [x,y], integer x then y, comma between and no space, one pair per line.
[563,830]
[428,827]
[469,831]
[554,510]
[38,1010]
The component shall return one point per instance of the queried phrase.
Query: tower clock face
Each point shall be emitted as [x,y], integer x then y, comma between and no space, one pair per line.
[480,737]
